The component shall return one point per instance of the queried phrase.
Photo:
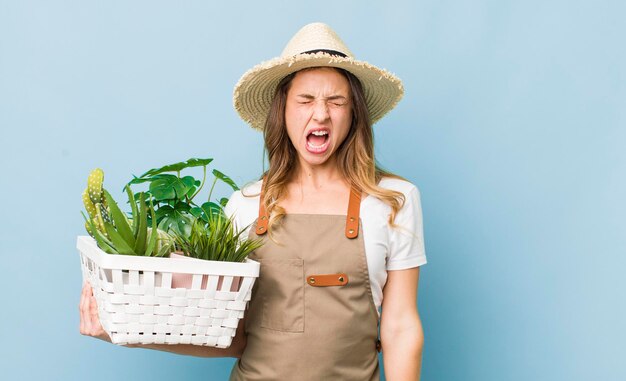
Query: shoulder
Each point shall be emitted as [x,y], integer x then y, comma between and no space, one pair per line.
[252,189]
[375,209]
[408,189]
[412,204]
[400,185]
[410,213]
[249,191]
[243,203]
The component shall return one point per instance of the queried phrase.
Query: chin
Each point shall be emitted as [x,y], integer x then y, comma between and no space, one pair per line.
[312,159]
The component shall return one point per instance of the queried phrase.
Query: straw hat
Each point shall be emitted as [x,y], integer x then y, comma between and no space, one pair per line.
[315,44]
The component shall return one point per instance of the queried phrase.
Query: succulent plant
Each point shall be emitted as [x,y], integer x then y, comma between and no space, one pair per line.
[113,231]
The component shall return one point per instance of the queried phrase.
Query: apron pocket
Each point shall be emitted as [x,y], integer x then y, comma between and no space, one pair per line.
[283,294]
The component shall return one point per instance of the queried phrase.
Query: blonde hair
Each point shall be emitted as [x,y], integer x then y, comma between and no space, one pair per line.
[355,155]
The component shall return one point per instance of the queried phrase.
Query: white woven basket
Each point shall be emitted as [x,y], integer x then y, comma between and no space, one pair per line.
[137,304]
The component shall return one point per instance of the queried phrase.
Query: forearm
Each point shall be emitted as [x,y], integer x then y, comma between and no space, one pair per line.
[402,354]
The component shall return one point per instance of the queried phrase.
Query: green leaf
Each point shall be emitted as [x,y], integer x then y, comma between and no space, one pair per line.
[165,208]
[191,192]
[210,208]
[101,240]
[196,212]
[102,243]
[177,219]
[138,180]
[166,168]
[225,179]
[223,202]
[135,213]
[195,162]
[182,207]
[164,250]
[136,195]
[153,233]
[176,167]
[140,241]
[119,243]
[190,182]
[163,212]
[167,187]
[119,219]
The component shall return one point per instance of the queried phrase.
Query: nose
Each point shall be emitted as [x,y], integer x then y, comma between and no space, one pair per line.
[320,111]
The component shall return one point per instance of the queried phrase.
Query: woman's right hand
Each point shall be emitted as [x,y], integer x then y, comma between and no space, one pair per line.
[89,321]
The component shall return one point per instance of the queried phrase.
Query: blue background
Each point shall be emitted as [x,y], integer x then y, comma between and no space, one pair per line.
[513,127]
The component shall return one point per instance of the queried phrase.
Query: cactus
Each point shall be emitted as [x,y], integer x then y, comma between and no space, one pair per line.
[99,221]
[95,202]
[89,206]
[94,185]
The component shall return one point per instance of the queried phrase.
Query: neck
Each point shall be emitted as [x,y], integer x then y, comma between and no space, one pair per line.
[317,176]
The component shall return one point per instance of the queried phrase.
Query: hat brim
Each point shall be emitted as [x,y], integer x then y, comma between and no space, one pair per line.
[255,90]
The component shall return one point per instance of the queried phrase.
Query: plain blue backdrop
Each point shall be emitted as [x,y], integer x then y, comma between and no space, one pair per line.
[513,126]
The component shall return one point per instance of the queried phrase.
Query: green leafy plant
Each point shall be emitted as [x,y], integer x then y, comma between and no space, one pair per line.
[174,195]
[116,233]
[217,240]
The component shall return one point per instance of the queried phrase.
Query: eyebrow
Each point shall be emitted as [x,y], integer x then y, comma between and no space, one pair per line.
[332,97]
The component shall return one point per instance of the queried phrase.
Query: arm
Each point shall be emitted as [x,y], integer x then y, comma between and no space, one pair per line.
[401,332]
[90,326]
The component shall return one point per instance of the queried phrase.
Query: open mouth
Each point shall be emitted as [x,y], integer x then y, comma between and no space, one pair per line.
[317,141]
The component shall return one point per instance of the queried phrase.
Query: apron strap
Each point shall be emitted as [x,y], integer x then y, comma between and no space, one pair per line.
[352,218]
[261,225]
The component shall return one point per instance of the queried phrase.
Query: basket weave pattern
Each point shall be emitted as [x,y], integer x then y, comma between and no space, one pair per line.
[137,304]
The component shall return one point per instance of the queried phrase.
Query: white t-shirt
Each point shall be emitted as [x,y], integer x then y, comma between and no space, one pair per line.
[386,248]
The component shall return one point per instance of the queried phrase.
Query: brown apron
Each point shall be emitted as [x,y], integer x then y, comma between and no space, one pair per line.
[312,315]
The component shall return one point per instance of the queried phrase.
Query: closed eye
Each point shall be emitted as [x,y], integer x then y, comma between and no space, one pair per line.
[338,100]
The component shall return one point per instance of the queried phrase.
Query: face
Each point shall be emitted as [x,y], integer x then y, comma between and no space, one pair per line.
[318,114]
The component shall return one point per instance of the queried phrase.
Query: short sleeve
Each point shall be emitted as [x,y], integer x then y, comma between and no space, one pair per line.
[238,209]
[406,241]
[232,207]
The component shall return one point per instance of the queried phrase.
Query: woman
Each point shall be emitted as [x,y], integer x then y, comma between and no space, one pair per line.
[342,237]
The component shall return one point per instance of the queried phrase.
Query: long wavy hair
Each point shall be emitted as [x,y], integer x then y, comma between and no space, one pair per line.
[355,155]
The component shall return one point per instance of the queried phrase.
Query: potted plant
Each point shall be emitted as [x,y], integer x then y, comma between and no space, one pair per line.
[177,212]
[213,240]
[126,261]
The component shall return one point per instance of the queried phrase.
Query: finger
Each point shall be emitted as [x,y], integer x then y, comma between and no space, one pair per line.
[86,316]
[83,292]
[95,319]
[81,309]
[93,309]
